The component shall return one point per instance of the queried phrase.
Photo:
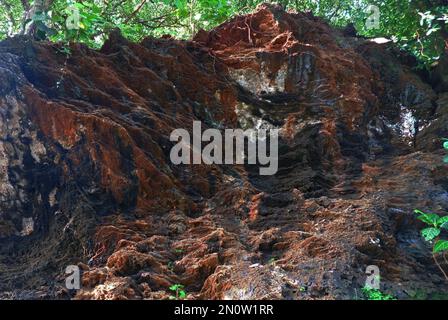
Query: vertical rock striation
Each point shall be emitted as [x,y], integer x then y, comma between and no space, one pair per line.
[86,177]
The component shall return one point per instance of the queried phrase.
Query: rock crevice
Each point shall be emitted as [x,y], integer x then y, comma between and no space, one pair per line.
[86,176]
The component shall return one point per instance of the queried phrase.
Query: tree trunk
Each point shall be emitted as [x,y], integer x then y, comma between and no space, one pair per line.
[39,6]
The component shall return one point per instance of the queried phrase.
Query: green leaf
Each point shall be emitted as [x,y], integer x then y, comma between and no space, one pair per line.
[182,294]
[175,287]
[428,218]
[79,5]
[374,294]
[442,220]
[432,30]
[181,4]
[430,233]
[441,245]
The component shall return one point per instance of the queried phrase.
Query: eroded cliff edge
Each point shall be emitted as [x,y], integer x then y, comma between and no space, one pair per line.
[86,178]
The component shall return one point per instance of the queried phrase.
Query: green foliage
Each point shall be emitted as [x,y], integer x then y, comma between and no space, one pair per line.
[430,233]
[417,26]
[178,289]
[11,15]
[437,224]
[374,294]
[86,29]
[445,145]
[440,246]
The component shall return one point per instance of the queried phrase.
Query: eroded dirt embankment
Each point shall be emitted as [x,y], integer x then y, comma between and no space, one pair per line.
[86,178]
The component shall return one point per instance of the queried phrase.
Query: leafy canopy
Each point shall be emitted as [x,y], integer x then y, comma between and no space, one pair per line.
[419,26]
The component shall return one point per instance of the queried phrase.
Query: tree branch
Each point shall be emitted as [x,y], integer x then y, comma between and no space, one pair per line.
[135,11]
[25,5]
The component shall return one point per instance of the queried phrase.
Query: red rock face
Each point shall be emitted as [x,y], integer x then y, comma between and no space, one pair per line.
[86,178]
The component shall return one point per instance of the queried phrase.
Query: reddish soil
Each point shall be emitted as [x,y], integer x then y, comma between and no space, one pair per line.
[85,154]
